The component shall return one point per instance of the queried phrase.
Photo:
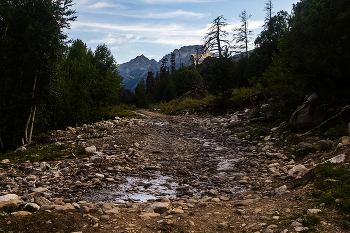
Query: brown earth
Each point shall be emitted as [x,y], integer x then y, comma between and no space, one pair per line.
[252,209]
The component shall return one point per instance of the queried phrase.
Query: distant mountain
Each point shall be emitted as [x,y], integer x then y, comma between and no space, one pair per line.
[137,68]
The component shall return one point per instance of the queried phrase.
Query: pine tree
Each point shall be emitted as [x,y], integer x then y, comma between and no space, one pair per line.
[172,60]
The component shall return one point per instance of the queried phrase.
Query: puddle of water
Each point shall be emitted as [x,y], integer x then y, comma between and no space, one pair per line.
[135,189]
[162,123]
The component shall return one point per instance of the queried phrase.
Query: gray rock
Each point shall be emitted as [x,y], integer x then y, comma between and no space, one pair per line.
[90,149]
[343,141]
[302,146]
[65,207]
[47,207]
[160,207]
[41,200]
[337,159]
[95,159]
[3,176]
[267,231]
[40,190]
[298,229]
[222,225]
[313,211]
[32,205]
[279,191]
[213,193]
[296,224]
[298,170]
[308,114]
[84,209]
[104,218]
[63,165]
[9,199]
[5,161]
[323,145]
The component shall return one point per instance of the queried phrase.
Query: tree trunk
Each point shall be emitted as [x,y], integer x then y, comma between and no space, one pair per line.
[218,40]
[31,114]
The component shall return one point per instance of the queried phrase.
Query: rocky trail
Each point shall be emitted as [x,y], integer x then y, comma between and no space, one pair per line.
[169,174]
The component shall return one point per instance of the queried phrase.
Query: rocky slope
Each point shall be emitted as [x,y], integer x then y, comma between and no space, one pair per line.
[167,174]
[136,69]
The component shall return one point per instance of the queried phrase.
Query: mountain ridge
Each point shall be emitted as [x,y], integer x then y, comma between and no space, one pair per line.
[136,69]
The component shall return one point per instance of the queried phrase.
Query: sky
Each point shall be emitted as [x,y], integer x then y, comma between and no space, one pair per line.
[155,28]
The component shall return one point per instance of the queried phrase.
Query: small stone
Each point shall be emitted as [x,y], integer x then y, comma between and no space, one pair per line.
[90,149]
[65,207]
[101,176]
[279,191]
[160,207]
[5,161]
[313,211]
[222,225]
[21,213]
[245,202]
[224,198]
[298,170]
[177,211]
[84,209]
[31,205]
[296,224]
[104,217]
[240,211]
[213,193]
[149,215]
[298,229]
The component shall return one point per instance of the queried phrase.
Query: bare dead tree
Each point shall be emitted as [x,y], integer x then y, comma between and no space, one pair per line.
[242,35]
[214,39]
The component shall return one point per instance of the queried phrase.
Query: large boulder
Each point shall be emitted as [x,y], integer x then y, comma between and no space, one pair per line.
[298,171]
[9,200]
[308,114]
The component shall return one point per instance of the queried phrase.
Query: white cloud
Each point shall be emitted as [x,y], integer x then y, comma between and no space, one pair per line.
[178,13]
[103,5]
[178,1]
[141,29]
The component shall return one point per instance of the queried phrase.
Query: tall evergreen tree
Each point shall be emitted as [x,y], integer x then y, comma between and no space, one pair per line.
[150,81]
[172,61]
[32,40]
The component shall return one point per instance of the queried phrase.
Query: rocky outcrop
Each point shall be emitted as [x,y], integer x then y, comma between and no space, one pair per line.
[308,114]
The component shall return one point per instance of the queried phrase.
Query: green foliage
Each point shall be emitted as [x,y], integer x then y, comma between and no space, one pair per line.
[333,182]
[44,153]
[164,90]
[306,151]
[29,208]
[141,95]
[177,106]
[310,220]
[240,94]
[9,208]
[32,41]
[122,111]
[314,52]
[218,76]
[185,79]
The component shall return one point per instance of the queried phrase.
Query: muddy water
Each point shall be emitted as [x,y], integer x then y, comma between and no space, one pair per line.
[136,189]
[161,185]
